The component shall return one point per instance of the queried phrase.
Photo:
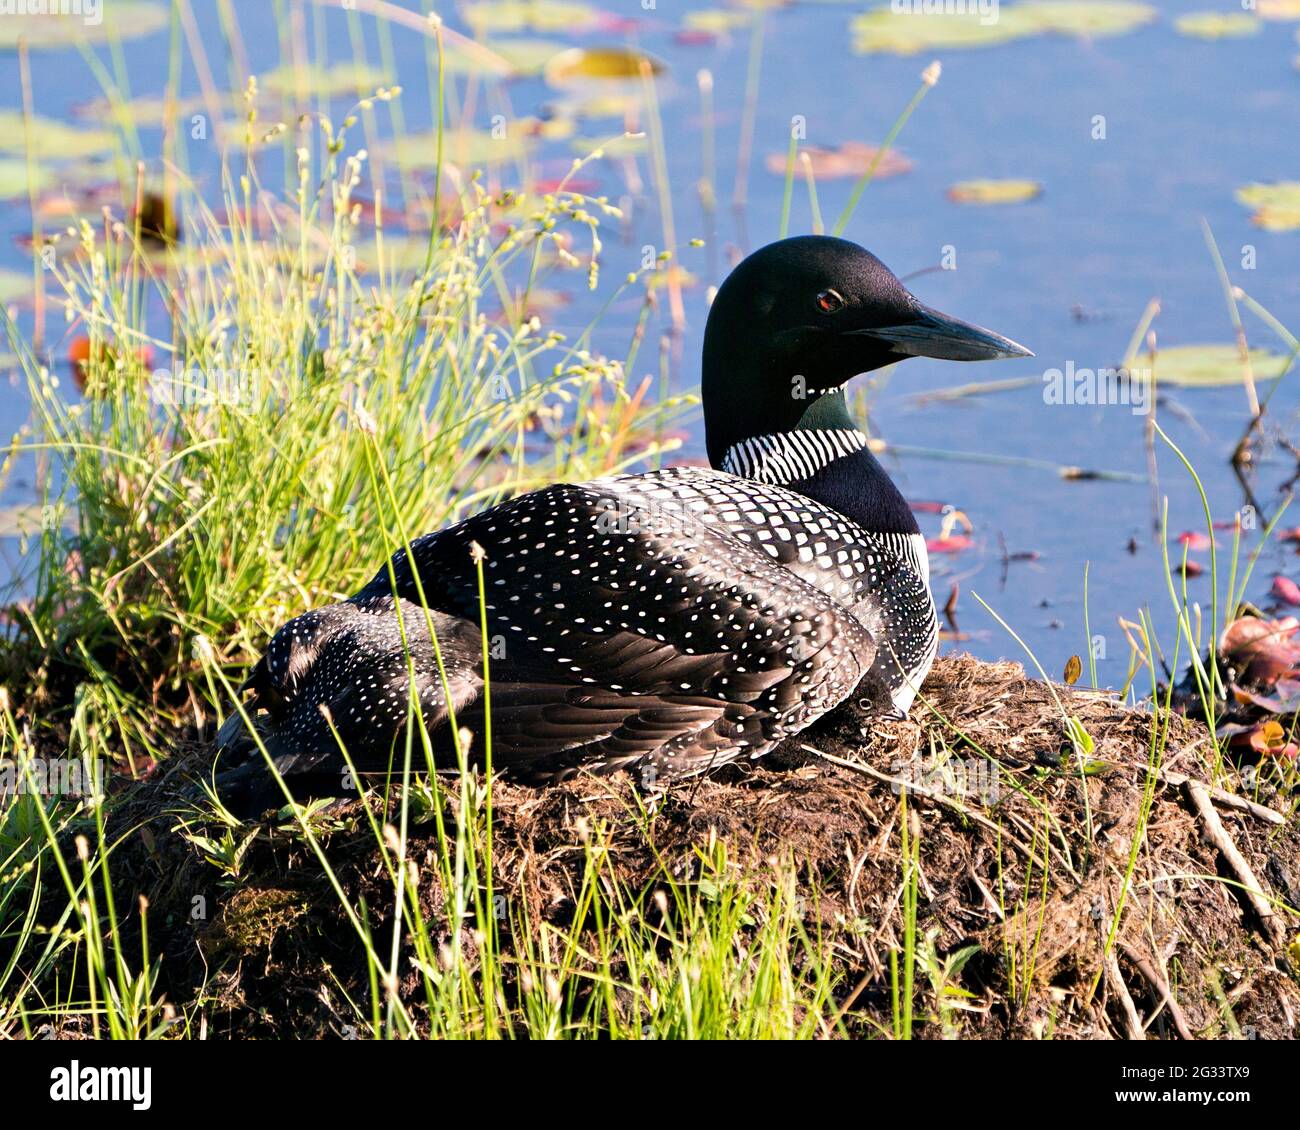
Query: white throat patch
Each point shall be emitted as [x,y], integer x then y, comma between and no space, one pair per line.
[791,457]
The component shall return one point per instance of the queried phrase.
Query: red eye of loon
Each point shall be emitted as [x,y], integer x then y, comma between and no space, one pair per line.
[828,302]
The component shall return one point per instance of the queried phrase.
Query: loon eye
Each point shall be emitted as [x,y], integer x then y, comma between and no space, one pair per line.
[829,302]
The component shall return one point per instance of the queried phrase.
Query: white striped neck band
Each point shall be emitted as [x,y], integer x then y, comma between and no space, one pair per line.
[791,457]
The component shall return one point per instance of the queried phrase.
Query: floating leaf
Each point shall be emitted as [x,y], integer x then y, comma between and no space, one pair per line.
[470,148]
[852,159]
[1195,541]
[598,64]
[17,179]
[523,57]
[351,79]
[600,104]
[147,111]
[1073,669]
[121,19]
[954,544]
[904,33]
[14,287]
[1286,590]
[717,21]
[1084,17]
[1262,649]
[51,140]
[1217,25]
[908,32]
[995,191]
[1277,205]
[1207,366]
[532,15]
[673,275]
[1278,9]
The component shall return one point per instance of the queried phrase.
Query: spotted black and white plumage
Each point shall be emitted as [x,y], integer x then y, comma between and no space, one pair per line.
[669,621]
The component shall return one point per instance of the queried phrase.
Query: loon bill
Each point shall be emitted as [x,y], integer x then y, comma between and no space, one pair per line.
[668,621]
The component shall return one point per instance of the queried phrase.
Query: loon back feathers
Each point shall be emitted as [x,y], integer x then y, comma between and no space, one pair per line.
[669,621]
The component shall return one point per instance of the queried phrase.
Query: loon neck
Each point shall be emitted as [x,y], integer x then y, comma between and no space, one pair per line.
[826,457]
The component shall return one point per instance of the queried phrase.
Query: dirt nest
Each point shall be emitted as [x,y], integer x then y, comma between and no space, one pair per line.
[1019,854]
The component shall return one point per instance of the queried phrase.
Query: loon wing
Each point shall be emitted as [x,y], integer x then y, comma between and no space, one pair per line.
[630,631]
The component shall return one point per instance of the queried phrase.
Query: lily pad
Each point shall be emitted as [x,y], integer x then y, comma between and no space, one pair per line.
[341,79]
[18,179]
[995,191]
[852,159]
[149,111]
[469,148]
[52,140]
[717,21]
[526,57]
[14,287]
[121,19]
[580,65]
[1211,366]
[1277,205]
[1084,17]
[905,32]
[1217,25]
[1278,9]
[532,15]
[597,105]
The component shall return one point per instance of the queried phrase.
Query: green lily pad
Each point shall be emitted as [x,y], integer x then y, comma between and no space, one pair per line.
[597,105]
[532,15]
[906,33]
[147,112]
[1277,205]
[52,140]
[852,159]
[995,191]
[17,179]
[120,19]
[1278,9]
[717,21]
[1210,366]
[341,79]
[902,33]
[525,57]
[580,65]
[1084,17]
[14,287]
[1217,25]
[467,148]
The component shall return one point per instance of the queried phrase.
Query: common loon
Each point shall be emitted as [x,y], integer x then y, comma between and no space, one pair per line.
[669,621]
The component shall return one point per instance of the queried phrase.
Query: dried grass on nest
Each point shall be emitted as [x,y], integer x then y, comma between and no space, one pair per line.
[1189,956]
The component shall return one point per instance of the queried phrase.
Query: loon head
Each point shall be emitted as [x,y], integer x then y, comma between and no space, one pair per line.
[798,319]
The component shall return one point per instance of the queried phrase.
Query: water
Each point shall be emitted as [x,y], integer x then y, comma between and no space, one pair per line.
[1186,123]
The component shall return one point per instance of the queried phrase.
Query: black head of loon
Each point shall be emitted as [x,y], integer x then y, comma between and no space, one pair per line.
[800,318]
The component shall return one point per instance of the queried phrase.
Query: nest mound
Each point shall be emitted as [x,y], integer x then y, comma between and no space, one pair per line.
[1080,932]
